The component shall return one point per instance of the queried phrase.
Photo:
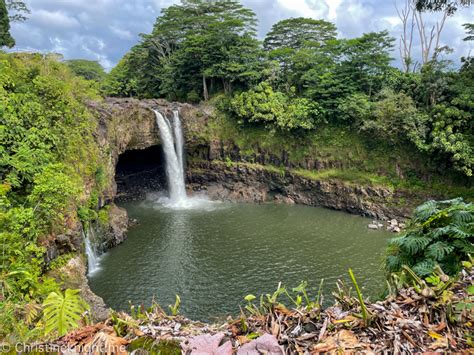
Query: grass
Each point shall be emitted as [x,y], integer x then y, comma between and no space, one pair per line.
[437,189]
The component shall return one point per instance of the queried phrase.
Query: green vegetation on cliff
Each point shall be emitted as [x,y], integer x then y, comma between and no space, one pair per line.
[47,156]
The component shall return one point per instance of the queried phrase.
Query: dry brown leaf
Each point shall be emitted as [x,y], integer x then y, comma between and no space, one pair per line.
[106,343]
[344,340]
[243,339]
[275,329]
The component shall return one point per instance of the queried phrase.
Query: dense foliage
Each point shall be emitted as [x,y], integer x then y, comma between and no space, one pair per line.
[47,153]
[196,48]
[303,77]
[274,109]
[88,69]
[441,233]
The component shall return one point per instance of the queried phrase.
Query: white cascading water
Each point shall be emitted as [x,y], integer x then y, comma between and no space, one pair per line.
[92,257]
[172,140]
[179,140]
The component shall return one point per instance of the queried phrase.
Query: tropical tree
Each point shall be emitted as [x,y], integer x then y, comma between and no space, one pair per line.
[298,45]
[198,47]
[366,60]
[262,105]
[298,33]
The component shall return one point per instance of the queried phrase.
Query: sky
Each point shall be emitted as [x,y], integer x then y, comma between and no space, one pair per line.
[104,30]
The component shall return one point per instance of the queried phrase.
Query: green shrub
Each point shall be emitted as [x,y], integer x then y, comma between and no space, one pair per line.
[395,118]
[440,233]
[273,109]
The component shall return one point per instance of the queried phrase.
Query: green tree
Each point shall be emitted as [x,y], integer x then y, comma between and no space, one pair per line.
[198,47]
[298,45]
[396,119]
[123,79]
[298,33]
[5,37]
[88,69]
[365,61]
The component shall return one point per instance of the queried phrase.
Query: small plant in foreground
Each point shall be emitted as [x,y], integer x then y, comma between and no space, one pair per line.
[440,233]
[62,312]
[365,314]
[175,308]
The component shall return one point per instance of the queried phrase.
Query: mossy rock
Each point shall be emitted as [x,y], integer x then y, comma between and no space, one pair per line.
[150,346]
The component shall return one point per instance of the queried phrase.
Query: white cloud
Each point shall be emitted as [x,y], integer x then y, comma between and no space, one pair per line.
[56,19]
[306,8]
[121,33]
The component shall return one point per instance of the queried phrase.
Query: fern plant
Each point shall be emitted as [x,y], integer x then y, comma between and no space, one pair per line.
[440,233]
[61,313]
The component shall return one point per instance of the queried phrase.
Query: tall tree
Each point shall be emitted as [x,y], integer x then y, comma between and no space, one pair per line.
[366,60]
[199,46]
[298,45]
[298,33]
[5,37]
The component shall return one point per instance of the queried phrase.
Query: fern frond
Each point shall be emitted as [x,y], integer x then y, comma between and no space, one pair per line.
[463,216]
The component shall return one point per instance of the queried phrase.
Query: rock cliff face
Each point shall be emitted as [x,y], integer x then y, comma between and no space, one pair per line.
[129,124]
[254,183]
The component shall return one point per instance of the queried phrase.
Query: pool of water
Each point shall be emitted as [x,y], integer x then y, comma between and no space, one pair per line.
[215,255]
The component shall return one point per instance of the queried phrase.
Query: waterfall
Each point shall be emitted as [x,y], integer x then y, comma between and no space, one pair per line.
[92,257]
[172,140]
[179,139]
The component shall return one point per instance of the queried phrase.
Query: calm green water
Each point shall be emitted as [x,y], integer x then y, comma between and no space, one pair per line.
[213,258]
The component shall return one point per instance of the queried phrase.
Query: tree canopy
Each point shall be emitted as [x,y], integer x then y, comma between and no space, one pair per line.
[5,37]
[298,33]
[88,69]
